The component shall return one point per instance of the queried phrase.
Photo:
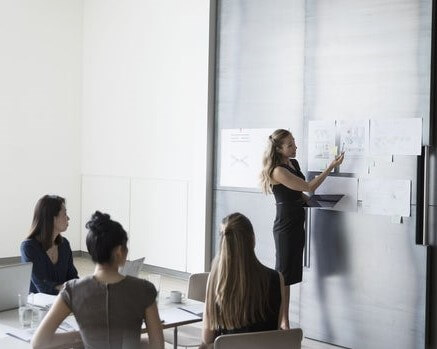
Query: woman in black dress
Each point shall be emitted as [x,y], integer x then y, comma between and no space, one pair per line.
[281,175]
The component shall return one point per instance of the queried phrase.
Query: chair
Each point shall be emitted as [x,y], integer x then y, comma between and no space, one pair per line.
[190,335]
[279,339]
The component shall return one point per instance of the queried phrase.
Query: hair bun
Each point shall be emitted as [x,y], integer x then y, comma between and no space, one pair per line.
[98,221]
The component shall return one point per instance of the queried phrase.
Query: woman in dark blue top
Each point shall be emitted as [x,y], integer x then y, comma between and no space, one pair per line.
[281,175]
[49,252]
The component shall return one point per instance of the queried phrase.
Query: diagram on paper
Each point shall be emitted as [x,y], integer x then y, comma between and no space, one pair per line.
[241,156]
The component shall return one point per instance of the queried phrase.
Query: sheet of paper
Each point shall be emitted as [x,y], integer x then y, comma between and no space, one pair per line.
[241,156]
[132,268]
[69,324]
[4,330]
[196,309]
[41,300]
[341,185]
[321,144]
[390,197]
[175,315]
[354,141]
[396,137]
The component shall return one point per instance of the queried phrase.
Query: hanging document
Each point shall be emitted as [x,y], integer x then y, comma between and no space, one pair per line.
[354,141]
[321,144]
[241,156]
[396,137]
[385,196]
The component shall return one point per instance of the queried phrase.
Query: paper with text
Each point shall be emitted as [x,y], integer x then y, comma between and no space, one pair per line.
[321,144]
[390,197]
[396,137]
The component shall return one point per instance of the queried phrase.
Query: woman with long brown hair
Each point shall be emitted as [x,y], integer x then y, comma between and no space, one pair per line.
[281,175]
[47,249]
[242,294]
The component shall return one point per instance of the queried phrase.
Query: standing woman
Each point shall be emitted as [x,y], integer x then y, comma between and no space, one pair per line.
[281,175]
[49,252]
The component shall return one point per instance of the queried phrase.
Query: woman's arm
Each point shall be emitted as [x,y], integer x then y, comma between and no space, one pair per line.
[283,307]
[285,177]
[45,336]
[154,327]
[71,271]
[40,275]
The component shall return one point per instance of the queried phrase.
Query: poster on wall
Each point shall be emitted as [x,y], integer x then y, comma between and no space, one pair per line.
[321,144]
[385,196]
[396,137]
[241,156]
[354,141]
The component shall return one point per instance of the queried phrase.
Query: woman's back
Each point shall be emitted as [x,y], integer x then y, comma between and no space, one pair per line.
[271,313]
[109,315]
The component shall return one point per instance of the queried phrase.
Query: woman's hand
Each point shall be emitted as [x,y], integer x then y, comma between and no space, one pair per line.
[337,161]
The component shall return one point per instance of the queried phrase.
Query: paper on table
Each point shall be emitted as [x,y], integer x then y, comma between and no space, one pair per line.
[69,324]
[4,330]
[321,144]
[396,136]
[132,268]
[385,196]
[196,309]
[27,333]
[241,156]
[341,185]
[175,315]
[42,300]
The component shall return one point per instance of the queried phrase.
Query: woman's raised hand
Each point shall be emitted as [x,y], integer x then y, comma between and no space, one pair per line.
[337,161]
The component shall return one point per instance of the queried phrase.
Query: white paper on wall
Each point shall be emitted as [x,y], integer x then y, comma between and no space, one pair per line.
[321,144]
[396,136]
[354,140]
[241,156]
[341,185]
[390,197]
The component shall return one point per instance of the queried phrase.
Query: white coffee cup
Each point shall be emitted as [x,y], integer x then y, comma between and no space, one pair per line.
[175,296]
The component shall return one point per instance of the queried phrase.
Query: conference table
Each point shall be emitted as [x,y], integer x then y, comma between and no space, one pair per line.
[172,315]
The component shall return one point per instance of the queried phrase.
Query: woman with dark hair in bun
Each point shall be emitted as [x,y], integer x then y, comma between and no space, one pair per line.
[110,308]
[49,252]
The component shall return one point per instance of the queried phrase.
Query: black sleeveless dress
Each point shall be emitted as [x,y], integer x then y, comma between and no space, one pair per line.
[288,228]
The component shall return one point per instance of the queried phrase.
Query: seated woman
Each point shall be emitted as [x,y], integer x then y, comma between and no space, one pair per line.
[242,294]
[110,308]
[49,252]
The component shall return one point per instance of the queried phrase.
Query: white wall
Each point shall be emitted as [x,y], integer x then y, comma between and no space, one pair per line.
[40,107]
[145,81]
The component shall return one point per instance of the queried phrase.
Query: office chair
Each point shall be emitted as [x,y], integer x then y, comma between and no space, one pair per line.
[191,335]
[279,339]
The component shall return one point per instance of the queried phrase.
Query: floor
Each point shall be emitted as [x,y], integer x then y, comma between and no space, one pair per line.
[86,267]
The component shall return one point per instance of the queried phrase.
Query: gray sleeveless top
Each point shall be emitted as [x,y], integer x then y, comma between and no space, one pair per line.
[109,316]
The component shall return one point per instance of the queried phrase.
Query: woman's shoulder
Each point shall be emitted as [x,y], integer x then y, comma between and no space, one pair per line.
[273,274]
[139,283]
[30,244]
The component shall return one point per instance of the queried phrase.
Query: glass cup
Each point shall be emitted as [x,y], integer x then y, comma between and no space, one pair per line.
[25,311]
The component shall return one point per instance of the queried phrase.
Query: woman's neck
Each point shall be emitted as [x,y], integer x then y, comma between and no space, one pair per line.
[107,273]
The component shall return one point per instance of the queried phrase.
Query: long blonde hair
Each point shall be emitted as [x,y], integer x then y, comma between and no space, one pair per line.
[237,289]
[272,158]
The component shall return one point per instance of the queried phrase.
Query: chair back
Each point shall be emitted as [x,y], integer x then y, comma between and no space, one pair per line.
[197,286]
[280,339]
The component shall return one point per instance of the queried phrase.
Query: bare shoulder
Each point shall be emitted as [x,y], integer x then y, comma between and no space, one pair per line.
[278,174]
